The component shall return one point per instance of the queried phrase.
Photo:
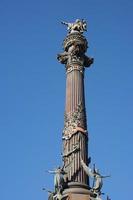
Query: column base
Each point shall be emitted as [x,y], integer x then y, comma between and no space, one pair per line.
[77,191]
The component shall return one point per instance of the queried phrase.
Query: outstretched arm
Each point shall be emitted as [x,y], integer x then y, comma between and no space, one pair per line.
[87,170]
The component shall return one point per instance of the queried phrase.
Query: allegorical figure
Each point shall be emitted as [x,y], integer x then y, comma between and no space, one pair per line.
[58,178]
[98,178]
[77,26]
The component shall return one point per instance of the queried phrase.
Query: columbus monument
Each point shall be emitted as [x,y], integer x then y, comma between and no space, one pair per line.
[71,180]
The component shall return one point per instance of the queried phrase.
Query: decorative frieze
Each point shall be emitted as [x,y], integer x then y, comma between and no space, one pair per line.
[75,121]
[75,67]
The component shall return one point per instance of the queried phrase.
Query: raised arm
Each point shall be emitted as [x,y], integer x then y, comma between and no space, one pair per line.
[87,170]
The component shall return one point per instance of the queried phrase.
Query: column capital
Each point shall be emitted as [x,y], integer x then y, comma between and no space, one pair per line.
[75,45]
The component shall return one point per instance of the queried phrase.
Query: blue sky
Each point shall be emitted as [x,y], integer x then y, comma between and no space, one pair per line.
[32,88]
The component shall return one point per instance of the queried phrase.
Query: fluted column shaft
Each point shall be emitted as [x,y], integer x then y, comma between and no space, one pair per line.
[75,103]
[74,90]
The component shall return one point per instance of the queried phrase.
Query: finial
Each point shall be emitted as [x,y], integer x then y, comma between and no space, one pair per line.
[78,26]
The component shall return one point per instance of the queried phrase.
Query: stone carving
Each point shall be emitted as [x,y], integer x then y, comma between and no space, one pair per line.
[73,53]
[76,67]
[59,182]
[88,61]
[75,121]
[75,56]
[63,57]
[58,179]
[70,135]
[60,174]
[77,26]
[75,46]
[98,178]
[74,150]
[73,39]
